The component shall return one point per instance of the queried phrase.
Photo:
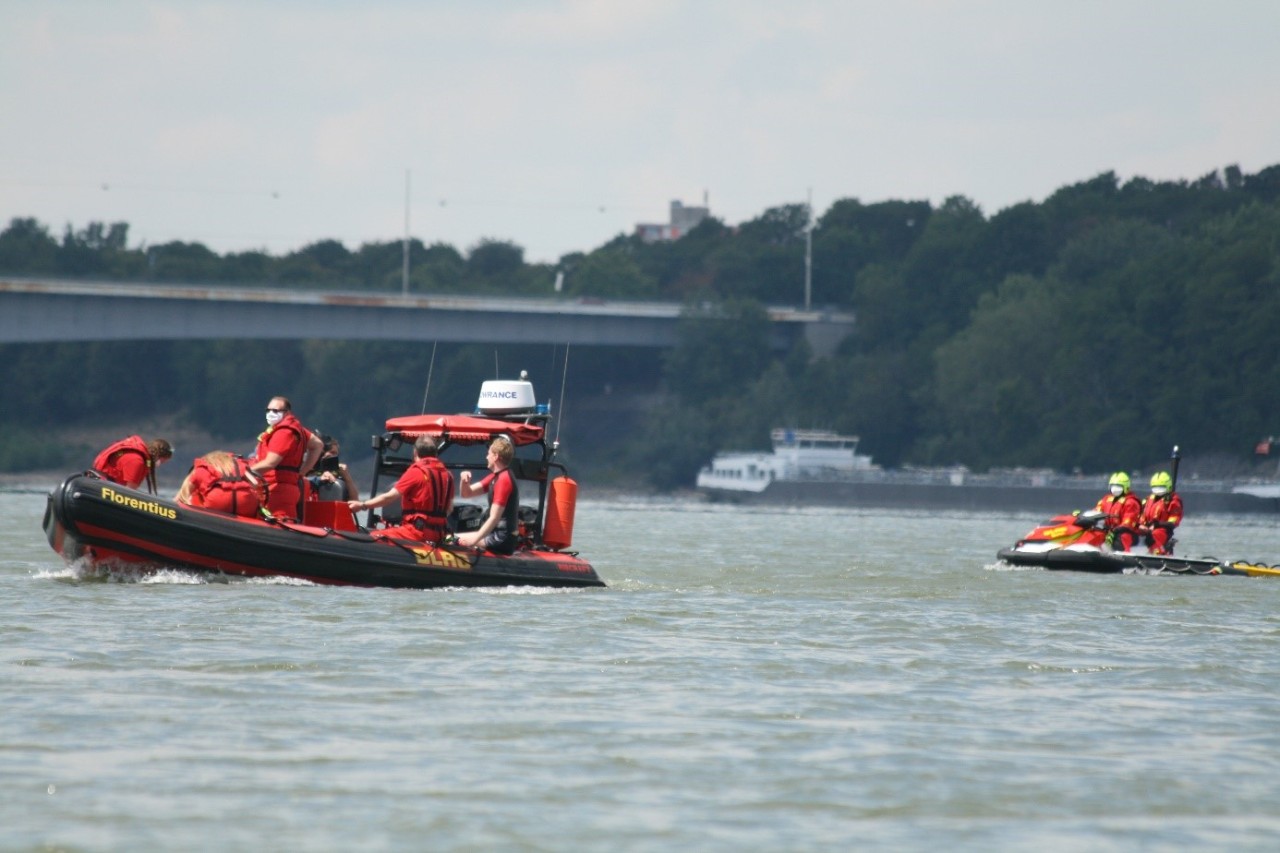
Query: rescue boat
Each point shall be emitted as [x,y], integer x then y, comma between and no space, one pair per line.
[1078,542]
[111,527]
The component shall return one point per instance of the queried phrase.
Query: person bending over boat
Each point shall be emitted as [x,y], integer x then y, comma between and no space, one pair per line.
[131,460]
[223,482]
[425,492]
[1161,513]
[285,453]
[500,532]
[1123,512]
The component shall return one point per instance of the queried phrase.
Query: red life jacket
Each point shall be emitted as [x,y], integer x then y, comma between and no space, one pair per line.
[107,462]
[291,462]
[242,493]
[430,518]
[1162,511]
[1123,512]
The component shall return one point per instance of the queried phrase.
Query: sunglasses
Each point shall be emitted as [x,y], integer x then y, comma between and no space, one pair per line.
[269,409]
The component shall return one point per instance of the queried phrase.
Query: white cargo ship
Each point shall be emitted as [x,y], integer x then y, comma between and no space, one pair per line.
[819,467]
[798,454]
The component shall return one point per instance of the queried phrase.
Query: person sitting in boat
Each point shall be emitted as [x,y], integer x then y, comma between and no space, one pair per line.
[425,492]
[285,453]
[330,480]
[224,482]
[1161,513]
[1123,512]
[131,460]
[500,532]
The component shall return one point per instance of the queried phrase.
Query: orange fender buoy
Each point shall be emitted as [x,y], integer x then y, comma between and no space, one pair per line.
[562,502]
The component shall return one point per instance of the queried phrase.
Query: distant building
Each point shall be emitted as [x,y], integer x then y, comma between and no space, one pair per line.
[683,220]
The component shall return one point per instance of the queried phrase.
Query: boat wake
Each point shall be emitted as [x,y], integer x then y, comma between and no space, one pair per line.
[514,590]
[1002,566]
[84,570]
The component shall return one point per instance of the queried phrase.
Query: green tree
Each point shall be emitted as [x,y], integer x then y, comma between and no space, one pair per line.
[26,246]
[92,250]
[248,268]
[441,269]
[320,264]
[178,261]
[721,347]
[228,382]
[1004,383]
[765,261]
[612,274]
[851,237]
[491,259]
[379,266]
[680,268]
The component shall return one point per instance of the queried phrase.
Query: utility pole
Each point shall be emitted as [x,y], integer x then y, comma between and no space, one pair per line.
[808,251]
[404,275]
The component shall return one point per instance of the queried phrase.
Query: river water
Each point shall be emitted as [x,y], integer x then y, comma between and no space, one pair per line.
[766,680]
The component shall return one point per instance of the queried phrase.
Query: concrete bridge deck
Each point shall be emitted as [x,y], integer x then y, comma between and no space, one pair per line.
[43,310]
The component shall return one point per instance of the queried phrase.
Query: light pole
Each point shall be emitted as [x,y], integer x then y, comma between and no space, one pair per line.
[404,274]
[808,250]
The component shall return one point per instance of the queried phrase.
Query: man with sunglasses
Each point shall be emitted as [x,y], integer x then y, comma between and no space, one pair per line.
[286,452]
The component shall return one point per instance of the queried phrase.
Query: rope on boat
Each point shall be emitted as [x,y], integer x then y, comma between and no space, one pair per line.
[309,531]
[350,535]
[409,546]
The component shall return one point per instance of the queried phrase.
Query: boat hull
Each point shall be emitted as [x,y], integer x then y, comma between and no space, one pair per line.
[108,525]
[1089,559]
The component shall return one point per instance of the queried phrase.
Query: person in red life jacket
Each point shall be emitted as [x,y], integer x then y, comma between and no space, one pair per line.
[222,481]
[286,451]
[1123,512]
[131,460]
[1161,513]
[425,492]
[500,532]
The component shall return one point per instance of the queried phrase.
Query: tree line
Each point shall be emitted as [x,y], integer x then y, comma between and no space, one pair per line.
[1092,330]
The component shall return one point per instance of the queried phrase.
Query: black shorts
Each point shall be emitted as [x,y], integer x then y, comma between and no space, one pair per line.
[499,541]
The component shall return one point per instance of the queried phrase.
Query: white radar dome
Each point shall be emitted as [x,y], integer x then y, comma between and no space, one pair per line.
[505,397]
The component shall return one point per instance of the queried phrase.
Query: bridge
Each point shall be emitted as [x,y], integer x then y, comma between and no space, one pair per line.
[42,310]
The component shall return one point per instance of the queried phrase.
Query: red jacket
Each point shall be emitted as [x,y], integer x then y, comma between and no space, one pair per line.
[236,494]
[126,462]
[426,490]
[1123,511]
[1162,511]
[289,439]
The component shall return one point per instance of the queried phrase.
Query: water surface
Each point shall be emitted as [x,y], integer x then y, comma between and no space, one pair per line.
[771,680]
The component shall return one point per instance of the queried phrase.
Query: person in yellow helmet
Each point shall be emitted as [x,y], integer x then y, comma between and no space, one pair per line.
[1161,513]
[1123,512]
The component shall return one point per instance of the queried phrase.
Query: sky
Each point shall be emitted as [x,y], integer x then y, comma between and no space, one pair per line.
[559,124]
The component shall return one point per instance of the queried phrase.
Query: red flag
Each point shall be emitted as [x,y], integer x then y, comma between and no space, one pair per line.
[1263,448]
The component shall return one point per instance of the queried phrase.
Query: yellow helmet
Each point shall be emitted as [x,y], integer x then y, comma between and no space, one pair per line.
[1161,479]
[1121,479]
